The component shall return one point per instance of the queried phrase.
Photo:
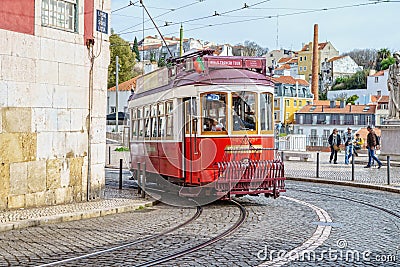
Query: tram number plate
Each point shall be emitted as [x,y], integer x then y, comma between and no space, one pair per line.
[212,97]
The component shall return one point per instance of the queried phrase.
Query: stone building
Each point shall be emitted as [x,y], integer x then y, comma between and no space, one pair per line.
[53,93]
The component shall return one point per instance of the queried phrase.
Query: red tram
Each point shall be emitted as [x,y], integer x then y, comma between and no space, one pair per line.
[207,122]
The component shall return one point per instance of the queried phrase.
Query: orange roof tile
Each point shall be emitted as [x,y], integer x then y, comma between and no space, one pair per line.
[379,73]
[284,60]
[320,46]
[335,58]
[289,80]
[284,67]
[383,99]
[126,86]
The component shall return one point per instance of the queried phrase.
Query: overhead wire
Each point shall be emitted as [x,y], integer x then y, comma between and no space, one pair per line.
[253,18]
[121,8]
[162,14]
[196,19]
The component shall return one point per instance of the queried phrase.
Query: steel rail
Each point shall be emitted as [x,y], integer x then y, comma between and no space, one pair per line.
[193,218]
[352,200]
[239,222]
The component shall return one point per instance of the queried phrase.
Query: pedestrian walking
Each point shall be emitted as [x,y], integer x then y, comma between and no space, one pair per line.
[334,143]
[348,143]
[372,141]
[357,144]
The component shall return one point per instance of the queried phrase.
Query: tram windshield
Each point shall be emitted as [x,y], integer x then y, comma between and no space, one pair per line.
[244,115]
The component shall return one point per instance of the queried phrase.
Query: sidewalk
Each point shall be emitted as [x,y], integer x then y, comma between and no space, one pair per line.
[115,201]
[341,174]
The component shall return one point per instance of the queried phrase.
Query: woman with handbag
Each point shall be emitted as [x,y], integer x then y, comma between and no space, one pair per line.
[334,141]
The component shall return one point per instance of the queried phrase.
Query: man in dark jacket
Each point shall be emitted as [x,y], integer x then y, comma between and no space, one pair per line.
[371,146]
[334,143]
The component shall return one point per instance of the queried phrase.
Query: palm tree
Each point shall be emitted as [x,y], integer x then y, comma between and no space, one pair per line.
[382,54]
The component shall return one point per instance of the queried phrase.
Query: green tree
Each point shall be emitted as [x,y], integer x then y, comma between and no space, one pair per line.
[383,54]
[161,62]
[135,49]
[352,99]
[356,81]
[385,64]
[126,59]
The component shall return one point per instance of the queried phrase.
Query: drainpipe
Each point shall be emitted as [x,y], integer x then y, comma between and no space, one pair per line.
[181,41]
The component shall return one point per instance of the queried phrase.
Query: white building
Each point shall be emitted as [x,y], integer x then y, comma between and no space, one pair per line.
[376,85]
[340,66]
[52,115]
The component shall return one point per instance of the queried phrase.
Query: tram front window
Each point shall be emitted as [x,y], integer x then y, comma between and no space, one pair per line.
[266,112]
[244,116]
[213,112]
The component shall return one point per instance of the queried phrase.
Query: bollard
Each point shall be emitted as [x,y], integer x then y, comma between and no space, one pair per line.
[317,165]
[120,173]
[282,156]
[138,178]
[388,169]
[109,155]
[352,168]
[144,181]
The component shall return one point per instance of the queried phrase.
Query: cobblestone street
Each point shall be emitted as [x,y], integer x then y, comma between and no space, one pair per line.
[271,225]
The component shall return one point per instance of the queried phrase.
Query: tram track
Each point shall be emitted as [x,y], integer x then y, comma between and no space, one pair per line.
[234,227]
[135,242]
[395,214]
[172,255]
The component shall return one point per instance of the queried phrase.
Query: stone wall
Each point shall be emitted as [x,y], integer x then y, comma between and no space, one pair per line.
[44,109]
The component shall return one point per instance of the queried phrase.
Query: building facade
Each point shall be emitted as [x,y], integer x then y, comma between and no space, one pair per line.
[326,51]
[290,96]
[317,121]
[52,98]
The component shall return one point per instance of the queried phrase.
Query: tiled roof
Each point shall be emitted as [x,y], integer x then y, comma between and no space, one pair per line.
[289,80]
[335,58]
[379,73]
[383,99]
[284,67]
[126,86]
[284,60]
[358,109]
[320,46]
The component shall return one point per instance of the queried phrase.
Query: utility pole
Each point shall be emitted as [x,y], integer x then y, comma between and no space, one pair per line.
[116,93]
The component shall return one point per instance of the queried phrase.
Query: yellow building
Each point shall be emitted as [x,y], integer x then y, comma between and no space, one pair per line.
[326,51]
[290,96]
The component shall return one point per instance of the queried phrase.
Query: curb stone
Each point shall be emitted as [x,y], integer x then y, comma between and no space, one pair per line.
[73,216]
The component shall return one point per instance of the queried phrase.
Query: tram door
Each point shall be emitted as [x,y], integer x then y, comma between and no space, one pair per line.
[191,153]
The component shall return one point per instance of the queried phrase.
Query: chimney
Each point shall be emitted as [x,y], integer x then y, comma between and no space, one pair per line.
[332,104]
[315,67]
[342,104]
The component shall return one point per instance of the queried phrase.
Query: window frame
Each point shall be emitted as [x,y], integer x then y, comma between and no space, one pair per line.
[255,111]
[60,14]
[216,116]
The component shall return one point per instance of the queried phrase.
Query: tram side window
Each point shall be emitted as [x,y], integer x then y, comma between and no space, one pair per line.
[266,112]
[213,112]
[154,121]
[134,124]
[244,115]
[161,119]
[147,128]
[169,117]
[140,122]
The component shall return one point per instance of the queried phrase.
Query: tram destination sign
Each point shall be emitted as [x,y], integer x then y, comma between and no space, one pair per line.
[238,63]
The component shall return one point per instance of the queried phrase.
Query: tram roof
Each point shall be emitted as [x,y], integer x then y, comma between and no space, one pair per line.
[224,76]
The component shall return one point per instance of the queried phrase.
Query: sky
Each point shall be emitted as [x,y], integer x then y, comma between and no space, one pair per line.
[273,24]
